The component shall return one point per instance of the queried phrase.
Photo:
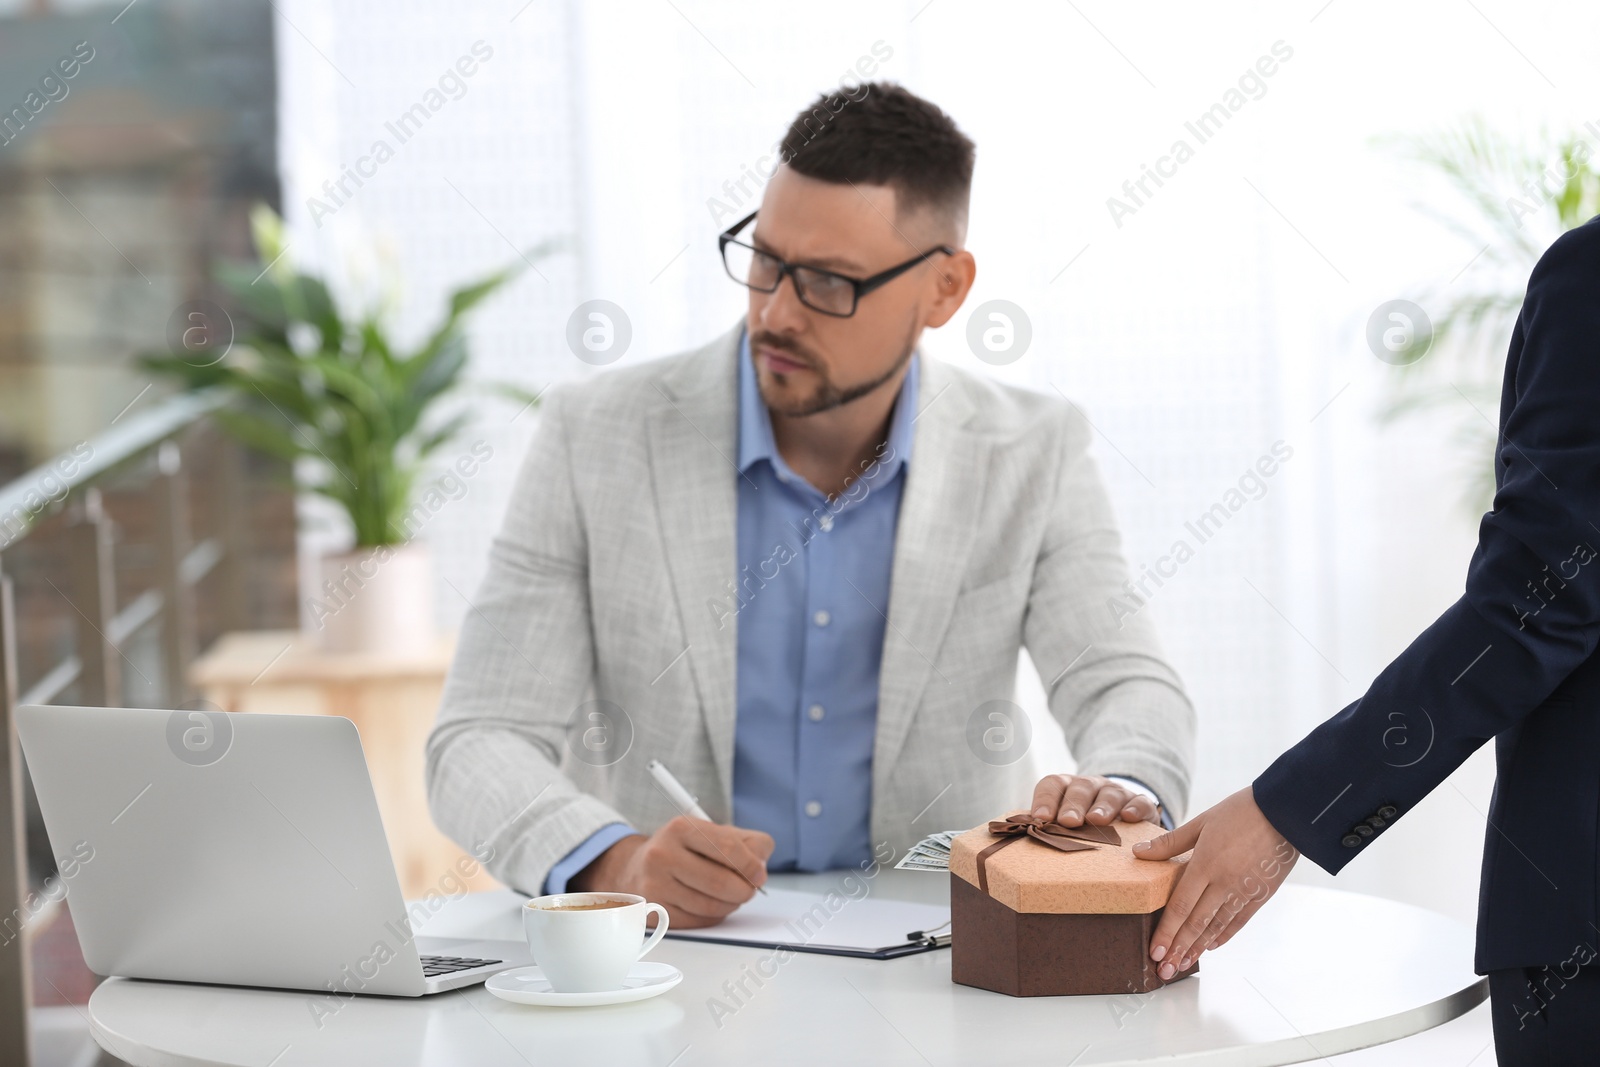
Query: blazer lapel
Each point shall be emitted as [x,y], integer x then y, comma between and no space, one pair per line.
[694,455]
[694,459]
[939,512]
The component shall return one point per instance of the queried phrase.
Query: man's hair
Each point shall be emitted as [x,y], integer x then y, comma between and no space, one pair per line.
[879,133]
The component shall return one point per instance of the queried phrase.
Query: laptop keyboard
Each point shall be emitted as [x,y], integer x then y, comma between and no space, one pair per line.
[433,966]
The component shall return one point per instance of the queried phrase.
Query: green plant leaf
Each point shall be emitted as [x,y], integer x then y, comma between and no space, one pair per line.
[437,372]
[471,295]
[312,303]
[257,300]
[272,438]
[431,442]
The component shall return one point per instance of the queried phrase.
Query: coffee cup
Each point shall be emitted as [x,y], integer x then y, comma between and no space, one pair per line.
[587,942]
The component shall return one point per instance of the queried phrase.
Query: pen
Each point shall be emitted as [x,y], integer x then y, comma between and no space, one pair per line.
[680,797]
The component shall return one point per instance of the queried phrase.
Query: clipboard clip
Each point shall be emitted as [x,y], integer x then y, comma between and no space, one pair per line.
[929,937]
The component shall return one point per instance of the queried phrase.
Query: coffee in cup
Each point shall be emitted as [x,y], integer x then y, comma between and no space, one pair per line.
[587,942]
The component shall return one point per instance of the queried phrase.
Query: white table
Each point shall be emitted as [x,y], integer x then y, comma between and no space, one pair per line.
[1317,972]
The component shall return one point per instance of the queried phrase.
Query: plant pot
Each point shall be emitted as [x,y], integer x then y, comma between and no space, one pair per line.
[375,600]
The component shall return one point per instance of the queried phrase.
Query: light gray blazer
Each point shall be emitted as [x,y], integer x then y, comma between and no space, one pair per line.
[618,548]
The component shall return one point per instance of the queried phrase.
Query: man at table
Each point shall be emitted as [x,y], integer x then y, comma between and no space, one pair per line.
[797,566]
[1514,660]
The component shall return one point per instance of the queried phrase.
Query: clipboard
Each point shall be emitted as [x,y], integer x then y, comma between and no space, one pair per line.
[830,924]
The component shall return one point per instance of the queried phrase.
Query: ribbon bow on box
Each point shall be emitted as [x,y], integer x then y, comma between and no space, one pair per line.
[1014,828]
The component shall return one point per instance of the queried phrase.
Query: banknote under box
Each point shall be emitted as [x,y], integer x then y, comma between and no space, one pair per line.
[1040,910]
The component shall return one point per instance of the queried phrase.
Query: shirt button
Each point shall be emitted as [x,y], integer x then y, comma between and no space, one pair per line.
[822,618]
[813,808]
[826,522]
[816,712]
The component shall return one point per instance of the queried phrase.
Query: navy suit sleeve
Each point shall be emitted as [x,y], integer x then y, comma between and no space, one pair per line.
[1530,610]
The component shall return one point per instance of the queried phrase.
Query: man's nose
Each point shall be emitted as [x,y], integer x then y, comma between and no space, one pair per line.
[781,310]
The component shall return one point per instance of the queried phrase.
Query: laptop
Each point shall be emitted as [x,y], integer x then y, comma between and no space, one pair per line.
[199,846]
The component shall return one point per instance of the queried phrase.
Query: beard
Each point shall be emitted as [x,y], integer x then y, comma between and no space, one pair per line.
[827,394]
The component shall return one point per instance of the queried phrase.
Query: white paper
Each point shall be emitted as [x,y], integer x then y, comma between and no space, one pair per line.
[790,917]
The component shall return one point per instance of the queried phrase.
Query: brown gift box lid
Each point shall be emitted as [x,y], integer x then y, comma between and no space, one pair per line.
[1030,876]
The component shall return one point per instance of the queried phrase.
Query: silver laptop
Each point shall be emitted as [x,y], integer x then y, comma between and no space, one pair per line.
[234,849]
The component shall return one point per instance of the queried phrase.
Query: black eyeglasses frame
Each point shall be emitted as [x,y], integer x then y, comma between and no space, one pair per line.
[860,286]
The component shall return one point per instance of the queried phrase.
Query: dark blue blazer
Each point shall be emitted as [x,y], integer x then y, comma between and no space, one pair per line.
[1514,659]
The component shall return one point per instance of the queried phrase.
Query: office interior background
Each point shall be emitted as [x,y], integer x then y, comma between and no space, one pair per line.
[1200,318]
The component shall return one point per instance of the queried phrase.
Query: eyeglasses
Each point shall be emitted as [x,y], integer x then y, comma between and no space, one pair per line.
[820,290]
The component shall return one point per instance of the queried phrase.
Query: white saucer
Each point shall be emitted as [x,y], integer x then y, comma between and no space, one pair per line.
[528,985]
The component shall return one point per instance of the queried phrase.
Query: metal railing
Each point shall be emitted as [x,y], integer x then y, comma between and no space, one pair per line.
[66,495]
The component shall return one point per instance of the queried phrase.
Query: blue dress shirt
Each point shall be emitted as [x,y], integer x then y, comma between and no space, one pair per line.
[813,580]
[813,585]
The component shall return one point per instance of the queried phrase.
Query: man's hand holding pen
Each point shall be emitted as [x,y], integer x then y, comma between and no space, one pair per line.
[700,871]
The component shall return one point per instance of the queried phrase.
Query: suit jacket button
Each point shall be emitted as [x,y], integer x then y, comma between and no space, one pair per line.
[1377,822]
[1363,829]
[1388,811]
[1351,841]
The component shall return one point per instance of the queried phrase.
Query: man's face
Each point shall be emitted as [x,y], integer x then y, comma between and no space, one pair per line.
[807,361]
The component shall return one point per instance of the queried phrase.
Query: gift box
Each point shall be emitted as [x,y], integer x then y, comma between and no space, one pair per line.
[1042,910]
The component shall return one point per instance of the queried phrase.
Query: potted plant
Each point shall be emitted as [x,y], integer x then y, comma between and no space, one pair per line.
[359,418]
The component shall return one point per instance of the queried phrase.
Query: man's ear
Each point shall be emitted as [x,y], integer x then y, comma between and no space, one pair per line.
[951,278]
